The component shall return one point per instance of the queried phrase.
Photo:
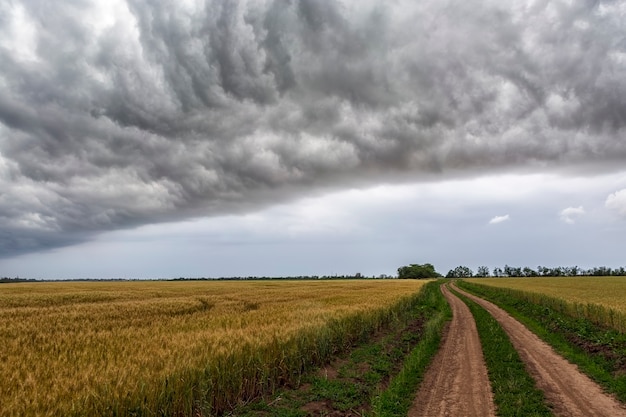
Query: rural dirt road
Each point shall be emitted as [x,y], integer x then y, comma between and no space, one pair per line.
[569,392]
[456,384]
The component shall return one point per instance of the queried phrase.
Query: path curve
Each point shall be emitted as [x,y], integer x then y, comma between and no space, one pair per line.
[569,392]
[456,383]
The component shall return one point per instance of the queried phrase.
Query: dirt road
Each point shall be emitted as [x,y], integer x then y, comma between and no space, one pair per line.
[569,392]
[456,384]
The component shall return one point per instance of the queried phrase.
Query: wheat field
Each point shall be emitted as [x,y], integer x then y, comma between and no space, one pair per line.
[174,347]
[600,299]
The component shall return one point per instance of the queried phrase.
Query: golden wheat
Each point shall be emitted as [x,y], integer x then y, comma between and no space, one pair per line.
[600,299]
[150,348]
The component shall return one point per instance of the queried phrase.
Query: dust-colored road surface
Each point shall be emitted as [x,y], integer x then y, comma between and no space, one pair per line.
[456,384]
[568,391]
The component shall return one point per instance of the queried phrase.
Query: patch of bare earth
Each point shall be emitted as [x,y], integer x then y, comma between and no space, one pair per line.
[456,383]
[569,392]
[326,409]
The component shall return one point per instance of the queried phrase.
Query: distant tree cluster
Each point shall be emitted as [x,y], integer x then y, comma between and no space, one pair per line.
[460,272]
[357,275]
[16,279]
[418,271]
[540,271]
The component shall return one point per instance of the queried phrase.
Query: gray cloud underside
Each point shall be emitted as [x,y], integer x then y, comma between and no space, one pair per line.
[174,109]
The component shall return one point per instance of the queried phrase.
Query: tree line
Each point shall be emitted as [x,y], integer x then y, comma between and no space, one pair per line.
[540,271]
[16,279]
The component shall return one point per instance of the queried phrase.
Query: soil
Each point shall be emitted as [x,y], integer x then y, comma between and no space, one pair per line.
[569,392]
[456,383]
[608,352]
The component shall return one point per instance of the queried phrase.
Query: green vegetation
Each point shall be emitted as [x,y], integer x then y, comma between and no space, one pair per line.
[397,399]
[460,272]
[418,271]
[514,390]
[540,271]
[354,383]
[598,350]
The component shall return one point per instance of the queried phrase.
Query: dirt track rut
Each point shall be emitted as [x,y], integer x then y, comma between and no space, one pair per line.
[569,392]
[456,384]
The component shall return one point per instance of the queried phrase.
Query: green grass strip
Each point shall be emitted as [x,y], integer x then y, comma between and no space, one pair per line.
[398,397]
[553,327]
[514,390]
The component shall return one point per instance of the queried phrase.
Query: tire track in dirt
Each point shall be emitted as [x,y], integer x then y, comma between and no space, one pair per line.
[569,392]
[456,383]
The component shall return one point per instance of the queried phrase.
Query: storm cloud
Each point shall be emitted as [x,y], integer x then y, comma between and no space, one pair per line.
[115,114]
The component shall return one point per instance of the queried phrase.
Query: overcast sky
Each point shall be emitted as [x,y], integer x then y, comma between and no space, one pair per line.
[283,137]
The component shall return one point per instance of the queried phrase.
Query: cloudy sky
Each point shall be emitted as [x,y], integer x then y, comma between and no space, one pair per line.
[293,137]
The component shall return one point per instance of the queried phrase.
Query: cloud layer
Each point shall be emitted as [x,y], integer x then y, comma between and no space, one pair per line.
[121,113]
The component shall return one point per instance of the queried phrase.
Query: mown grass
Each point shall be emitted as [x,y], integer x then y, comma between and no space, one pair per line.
[358,382]
[514,390]
[176,348]
[599,351]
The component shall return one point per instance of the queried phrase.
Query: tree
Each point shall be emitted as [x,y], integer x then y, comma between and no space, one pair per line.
[602,271]
[460,272]
[529,272]
[418,271]
[482,271]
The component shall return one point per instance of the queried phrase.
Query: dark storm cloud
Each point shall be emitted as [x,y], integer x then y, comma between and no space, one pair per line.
[116,114]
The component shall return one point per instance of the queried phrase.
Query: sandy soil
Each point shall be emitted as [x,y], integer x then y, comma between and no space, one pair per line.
[456,384]
[569,392]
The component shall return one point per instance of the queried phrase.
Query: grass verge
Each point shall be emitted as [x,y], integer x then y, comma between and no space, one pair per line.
[514,390]
[360,382]
[598,351]
[398,397]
